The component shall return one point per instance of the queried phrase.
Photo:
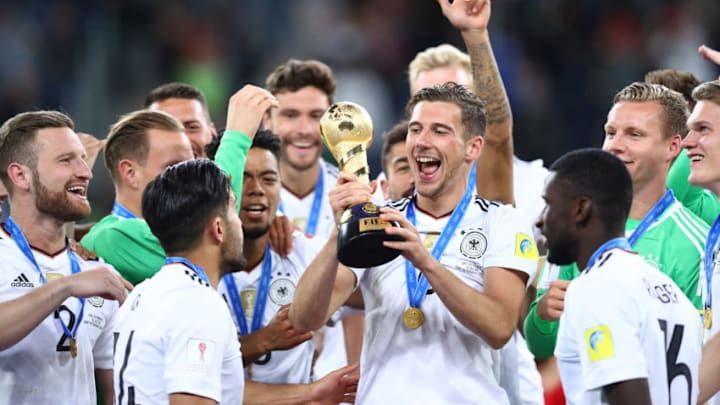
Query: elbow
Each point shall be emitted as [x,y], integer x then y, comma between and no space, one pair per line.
[302,322]
[499,338]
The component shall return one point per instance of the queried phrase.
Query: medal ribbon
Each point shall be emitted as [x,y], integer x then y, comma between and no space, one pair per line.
[710,246]
[621,243]
[194,267]
[472,176]
[260,300]
[22,243]
[312,223]
[417,287]
[122,212]
[652,216]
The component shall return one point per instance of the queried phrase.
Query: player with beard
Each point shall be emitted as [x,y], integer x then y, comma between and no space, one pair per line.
[260,294]
[397,182]
[54,356]
[628,335]
[176,341]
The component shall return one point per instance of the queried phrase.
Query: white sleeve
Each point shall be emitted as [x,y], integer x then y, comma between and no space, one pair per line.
[194,351]
[510,242]
[605,324]
[103,349]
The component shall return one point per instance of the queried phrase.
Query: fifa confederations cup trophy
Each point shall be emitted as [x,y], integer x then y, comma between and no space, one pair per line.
[346,130]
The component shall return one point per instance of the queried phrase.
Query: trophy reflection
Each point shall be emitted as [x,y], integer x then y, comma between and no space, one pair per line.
[346,130]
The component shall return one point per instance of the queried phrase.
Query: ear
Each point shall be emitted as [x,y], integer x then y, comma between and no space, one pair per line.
[213,130]
[267,120]
[674,147]
[583,210]
[385,188]
[20,176]
[129,173]
[473,148]
[216,230]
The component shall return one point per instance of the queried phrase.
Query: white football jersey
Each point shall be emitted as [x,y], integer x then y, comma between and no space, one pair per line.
[291,366]
[298,209]
[441,361]
[528,183]
[175,335]
[625,320]
[715,304]
[39,369]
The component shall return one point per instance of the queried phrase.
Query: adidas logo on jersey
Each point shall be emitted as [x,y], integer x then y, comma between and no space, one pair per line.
[22,281]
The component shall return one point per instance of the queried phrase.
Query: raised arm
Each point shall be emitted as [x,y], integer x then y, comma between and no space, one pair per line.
[494,180]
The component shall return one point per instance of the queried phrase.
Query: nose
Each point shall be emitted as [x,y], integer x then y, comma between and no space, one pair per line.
[690,140]
[308,125]
[614,144]
[82,170]
[540,221]
[253,186]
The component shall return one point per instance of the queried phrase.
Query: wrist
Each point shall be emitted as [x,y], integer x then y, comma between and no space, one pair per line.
[474,35]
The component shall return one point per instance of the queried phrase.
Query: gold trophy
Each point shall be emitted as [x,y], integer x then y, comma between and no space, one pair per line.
[346,130]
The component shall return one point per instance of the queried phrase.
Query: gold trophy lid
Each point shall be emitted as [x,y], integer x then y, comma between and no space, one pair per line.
[347,123]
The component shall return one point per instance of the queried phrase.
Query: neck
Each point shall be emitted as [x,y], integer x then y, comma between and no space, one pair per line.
[299,182]
[254,251]
[41,231]
[207,257]
[592,243]
[645,196]
[130,200]
[442,204]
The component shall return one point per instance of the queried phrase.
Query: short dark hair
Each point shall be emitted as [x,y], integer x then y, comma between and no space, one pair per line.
[602,177]
[471,106]
[177,90]
[267,140]
[128,137]
[395,135]
[17,138]
[264,139]
[178,204]
[679,80]
[708,91]
[295,74]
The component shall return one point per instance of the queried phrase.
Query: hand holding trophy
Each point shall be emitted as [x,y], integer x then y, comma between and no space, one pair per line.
[346,130]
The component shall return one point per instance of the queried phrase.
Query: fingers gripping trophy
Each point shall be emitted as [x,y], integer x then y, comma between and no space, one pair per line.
[346,130]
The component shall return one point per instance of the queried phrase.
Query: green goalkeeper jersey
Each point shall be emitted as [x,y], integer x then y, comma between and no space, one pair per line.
[674,244]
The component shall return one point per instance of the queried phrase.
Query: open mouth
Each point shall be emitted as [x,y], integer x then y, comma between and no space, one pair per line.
[254,210]
[80,191]
[427,166]
[696,158]
[303,144]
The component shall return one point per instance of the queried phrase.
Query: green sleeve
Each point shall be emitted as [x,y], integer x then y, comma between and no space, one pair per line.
[231,156]
[698,200]
[131,248]
[539,333]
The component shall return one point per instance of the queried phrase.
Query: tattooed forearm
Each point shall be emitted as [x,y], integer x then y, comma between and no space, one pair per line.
[488,84]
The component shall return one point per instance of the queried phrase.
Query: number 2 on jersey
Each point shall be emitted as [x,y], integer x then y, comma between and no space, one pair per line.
[62,346]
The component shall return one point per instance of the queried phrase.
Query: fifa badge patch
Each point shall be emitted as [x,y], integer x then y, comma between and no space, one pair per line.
[599,344]
[525,247]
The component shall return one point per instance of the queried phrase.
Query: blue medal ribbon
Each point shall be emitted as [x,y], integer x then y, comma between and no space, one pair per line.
[194,267]
[22,243]
[260,300]
[417,287]
[621,243]
[652,215]
[472,176]
[122,212]
[312,223]
[710,247]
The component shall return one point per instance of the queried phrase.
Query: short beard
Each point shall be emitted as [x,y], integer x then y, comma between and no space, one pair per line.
[255,233]
[57,204]
[562,253]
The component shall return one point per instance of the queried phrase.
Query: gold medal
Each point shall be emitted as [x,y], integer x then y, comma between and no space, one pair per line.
[707,319]
[413,318]
[73,347]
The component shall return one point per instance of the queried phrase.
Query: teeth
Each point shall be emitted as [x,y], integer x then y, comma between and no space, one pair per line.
[255,208]
[696,158]
[423,159]
[77,189]
[303,144]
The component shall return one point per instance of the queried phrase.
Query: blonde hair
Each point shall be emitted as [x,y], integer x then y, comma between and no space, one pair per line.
[674,106]
[444,55]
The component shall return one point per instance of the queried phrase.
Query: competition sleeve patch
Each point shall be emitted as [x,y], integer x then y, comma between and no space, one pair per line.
[200,354]
[525,247]
[599,344]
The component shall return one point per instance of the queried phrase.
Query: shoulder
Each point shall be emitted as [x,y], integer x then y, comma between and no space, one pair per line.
[400,205]
[488,205]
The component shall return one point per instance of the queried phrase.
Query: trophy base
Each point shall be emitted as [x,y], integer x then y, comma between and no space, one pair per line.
[360,239]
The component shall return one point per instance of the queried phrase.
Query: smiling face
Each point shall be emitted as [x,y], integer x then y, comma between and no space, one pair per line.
[190,113]
[261,192]
[60,179]
[437,150]
[399,177]
[703,145]
[634,133]
[297,123]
